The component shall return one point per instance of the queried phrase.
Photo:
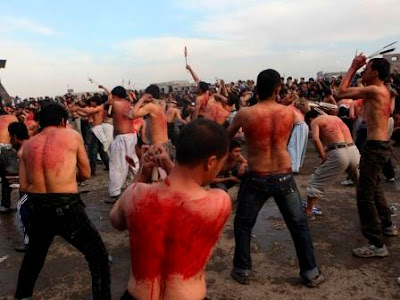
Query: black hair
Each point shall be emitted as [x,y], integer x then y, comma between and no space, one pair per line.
[312,114]
[97,99]
[267,81]
[382,66]
[203,86]
[234,144]
[52,114]
[153,90]
[19,129]
[200,140]
[119,92]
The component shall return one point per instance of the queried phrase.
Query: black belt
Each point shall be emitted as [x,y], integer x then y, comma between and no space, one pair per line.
[338,146]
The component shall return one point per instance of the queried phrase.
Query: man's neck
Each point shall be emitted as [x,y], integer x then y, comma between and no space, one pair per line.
[186,176]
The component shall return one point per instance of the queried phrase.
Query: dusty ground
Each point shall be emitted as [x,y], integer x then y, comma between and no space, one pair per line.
[65,274]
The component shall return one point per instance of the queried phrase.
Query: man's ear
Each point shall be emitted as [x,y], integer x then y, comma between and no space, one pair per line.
[210,163]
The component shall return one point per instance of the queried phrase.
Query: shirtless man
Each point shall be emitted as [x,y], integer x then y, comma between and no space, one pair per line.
[149,105]
[169,254]
[173,113]
[267,126]
[97,137]
[299,137]
[48,174]
[203,97]
[214,107]
[374,212]
[339,155]
[123,145]
[8,162]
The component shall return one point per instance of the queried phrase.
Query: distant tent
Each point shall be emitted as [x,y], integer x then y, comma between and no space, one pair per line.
[3,93]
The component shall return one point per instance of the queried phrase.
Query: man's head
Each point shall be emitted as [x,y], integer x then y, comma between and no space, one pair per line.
[53,115]
[96,100]
[153,90]
[203,87]
[203,143]
[268,84]
[377,69]
[119,92]
[18,134]
[311,115]
[234,150]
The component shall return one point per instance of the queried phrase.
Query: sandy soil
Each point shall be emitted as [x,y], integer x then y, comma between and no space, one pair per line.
[66,276]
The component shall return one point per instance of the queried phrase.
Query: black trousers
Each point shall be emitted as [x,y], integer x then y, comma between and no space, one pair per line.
[63,215]
[373,209]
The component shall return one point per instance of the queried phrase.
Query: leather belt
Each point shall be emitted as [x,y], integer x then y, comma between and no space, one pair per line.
[338,146]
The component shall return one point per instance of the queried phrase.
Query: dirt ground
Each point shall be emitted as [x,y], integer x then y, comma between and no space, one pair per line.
[66,276]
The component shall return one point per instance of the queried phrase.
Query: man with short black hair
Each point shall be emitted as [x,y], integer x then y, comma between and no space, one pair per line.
[373,209]
[50,165]
[169,254]
[267,126]
[123,144]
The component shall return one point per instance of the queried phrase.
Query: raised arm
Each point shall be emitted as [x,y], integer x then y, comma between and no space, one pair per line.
[194,75]
[221,98]
[139,109]
[345,91]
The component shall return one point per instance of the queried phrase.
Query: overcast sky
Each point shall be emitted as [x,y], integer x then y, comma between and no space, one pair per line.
[50,45]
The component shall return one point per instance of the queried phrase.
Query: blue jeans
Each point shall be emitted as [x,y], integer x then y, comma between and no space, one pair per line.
[254,193]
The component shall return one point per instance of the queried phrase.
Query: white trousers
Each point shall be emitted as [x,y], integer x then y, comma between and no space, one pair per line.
[297,145]
[123,145]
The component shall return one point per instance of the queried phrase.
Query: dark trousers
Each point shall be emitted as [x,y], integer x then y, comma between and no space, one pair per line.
[95,147]
[8,166]
[70,222]
[254,193]
[388,169]
[373,209]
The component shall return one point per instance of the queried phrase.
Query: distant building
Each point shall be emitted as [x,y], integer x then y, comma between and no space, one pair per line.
[394,60]
[176,84]
[3,93]
[329,75]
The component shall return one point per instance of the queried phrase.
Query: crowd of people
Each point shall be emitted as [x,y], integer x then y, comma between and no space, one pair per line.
[162,148]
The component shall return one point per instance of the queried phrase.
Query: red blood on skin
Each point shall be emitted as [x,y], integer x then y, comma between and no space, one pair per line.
[170,235]
[269,130]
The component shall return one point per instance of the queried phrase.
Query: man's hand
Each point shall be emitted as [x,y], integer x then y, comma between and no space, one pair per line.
[101,87]
[188,67]
[359,61]
[234,179]
[242,169]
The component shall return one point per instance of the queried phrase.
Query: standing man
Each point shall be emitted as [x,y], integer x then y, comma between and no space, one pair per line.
[267,126]
[123,145]
[374,212]
[97,137]
[149,105]
[8,162]
[173,113]
[169,253]
[48,174]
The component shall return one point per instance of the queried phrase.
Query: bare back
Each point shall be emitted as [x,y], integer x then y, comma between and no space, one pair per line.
[98,117]
[158,125]
[376,113]
[122,123]
[267,127]
[216,111]
[6,120]
[332,130]
[171,239]
[171,114]
[49,161]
